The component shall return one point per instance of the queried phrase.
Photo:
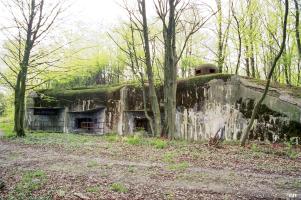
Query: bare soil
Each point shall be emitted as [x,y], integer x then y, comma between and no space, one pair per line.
[89,168]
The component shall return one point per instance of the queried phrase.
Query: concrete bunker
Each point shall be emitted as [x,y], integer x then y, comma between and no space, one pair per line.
[88,121]
[46,119]
[205,104]
[137,122]
[205,69]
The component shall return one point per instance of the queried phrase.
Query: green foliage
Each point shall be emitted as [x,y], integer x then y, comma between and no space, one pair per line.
[7,127]
[111,137]
[79,92]
[190,62]
[169,157]
[2,104]
[133,140]
[159,143]
[255,148]
[6,106]
[290,152]
[119,187]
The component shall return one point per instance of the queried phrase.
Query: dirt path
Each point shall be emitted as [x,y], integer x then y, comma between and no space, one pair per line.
[74,173]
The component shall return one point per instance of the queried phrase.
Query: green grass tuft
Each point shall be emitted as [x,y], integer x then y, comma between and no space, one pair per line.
[112,138]
[119,187]
[159,144]
[93,189]
[179,166]
[133,140]
[30,182]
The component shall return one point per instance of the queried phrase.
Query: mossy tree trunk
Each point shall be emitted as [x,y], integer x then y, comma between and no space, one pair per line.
[274,64]
[170,71]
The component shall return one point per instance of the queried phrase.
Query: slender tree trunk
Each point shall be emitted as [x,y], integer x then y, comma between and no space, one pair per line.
[220,59]
[252,59]
[152,90]
[297,27]
[17,105]
[247,61]
[278,56]
[239,42]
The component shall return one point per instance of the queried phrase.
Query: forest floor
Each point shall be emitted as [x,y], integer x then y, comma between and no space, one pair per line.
[65,166]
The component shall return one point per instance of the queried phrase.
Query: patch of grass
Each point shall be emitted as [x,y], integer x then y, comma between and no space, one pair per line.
[179,166]
[231,142]
[255,148]
[119,187]
[112,138]
[290,152]
[30,182]
[133,140]
[92,163]
[63,139]
[169,157]
[159,143]
[131,169]
[93,189]
[61,193]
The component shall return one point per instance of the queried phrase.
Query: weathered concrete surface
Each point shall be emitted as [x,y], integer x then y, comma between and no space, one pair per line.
[227,107]
[206,105]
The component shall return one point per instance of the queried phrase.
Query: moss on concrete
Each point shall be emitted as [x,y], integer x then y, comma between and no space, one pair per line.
[203,79]
[292,90]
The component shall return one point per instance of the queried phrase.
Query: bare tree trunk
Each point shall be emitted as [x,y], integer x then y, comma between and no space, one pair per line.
[278,56]
[247,61]
[152,90]
[239,40]
[252,59]
[220,60]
